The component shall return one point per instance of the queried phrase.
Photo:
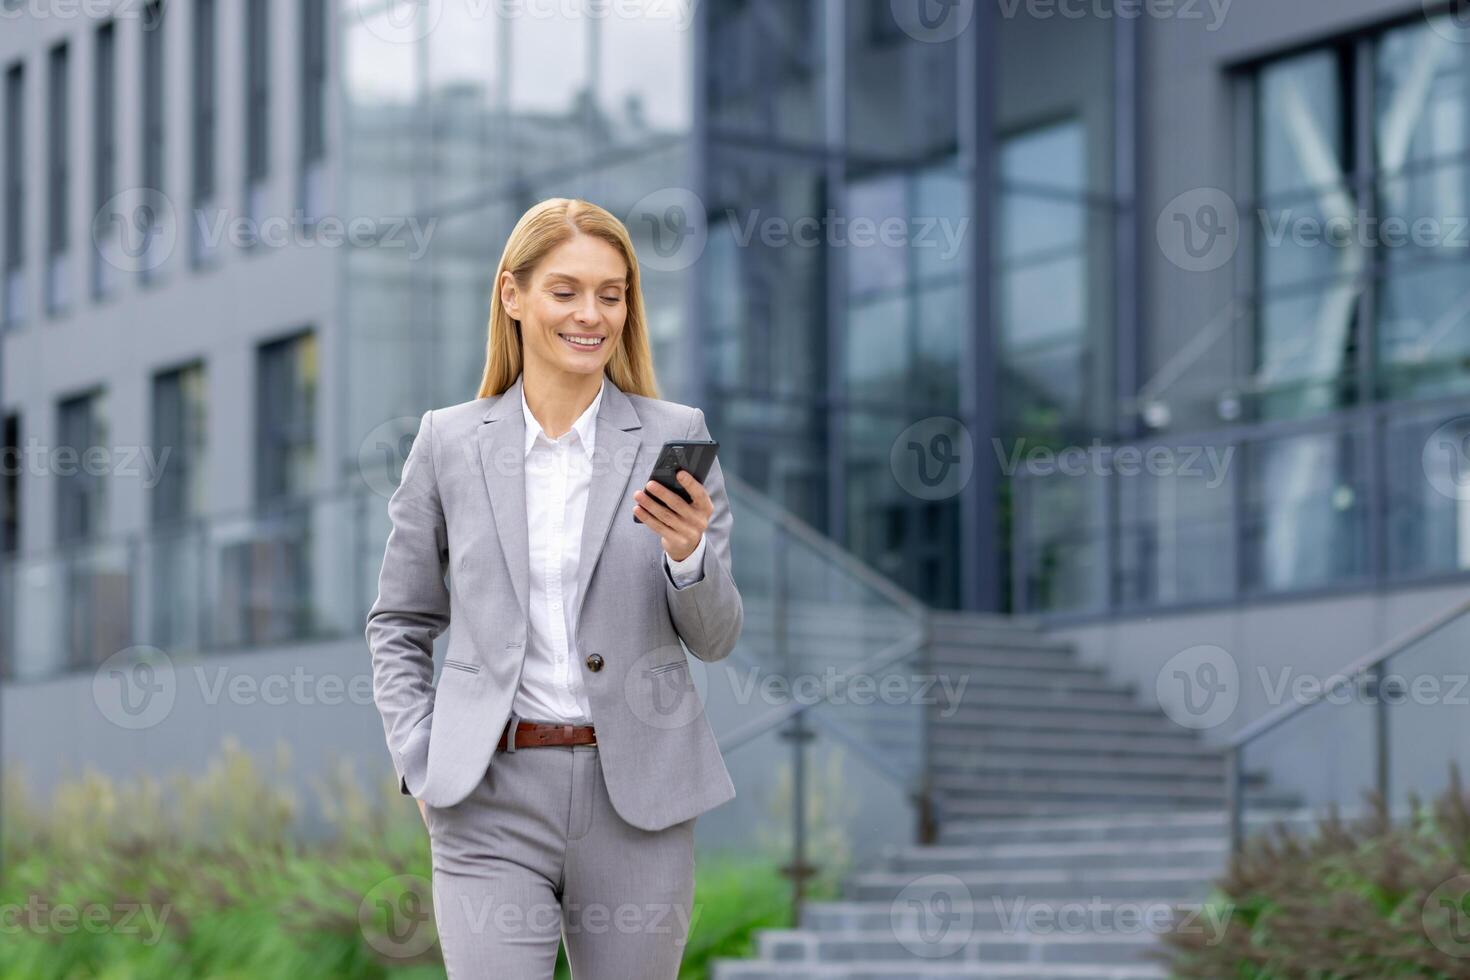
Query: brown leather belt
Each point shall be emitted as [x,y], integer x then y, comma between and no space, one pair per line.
[530,734]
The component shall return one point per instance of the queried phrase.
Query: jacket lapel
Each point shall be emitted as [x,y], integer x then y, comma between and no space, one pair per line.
[502,442]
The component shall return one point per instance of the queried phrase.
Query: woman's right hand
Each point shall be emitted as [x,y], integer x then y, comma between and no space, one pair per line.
[422,813]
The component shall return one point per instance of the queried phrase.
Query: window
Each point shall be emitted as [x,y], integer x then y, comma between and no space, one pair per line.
[179,417]
[286,419]
[1042,305]
[81,488]
[15,196]
[58,179]
[104,160]
[173,554]
[257,106]
[153,122]
[1306,302]
[1421,107]
[205,112]
[1359,289]
[313,105]
[272,568]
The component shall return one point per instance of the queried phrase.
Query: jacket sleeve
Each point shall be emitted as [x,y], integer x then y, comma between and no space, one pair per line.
[708,614]
[412,608]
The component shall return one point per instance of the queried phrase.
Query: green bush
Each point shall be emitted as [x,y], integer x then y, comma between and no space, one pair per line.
[1362,900]
[208,878]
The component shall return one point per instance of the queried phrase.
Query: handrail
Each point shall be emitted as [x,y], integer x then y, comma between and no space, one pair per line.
[886,657]
[1349,418]
[1369,666]
[819,542]
[263,511]
[1280,715]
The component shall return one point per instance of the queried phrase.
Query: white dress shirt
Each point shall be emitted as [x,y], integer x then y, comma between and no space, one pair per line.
[558,475]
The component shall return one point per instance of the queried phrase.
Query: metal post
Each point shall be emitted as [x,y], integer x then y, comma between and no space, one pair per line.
[980,574]
[1381,774]
[928,830]
[796,733]
[1233,802]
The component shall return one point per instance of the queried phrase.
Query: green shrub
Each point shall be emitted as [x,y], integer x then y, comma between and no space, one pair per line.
[1365,900]
[208,878]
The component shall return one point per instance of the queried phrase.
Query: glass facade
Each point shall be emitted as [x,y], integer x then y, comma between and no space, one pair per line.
[1340,462]
[462,121]
[892,230]
[824,156]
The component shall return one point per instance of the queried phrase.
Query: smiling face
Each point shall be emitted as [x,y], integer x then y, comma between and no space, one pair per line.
[573,310]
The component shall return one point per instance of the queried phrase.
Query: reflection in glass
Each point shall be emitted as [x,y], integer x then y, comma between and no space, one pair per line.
[1306,240]
[1043,306]
[1428,512]
[1305,513]
[1421,135]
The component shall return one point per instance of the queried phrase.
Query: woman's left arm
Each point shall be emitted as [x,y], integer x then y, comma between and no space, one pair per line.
[707,613]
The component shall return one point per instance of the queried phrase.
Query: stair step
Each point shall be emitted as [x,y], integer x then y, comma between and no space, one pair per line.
[951,763]
[1084,824]
[986,914]
[1020,648]
[960,942]
[1058,786]
[973,636]
[912,969]
[1068,884]
[1061,682]
[984,620]
[980,718]
[960,811]
[964,805]
[1208,853]
[978,697]
[1173,743]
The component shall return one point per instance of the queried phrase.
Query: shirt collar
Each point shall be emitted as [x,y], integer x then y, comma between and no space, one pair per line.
[585,426]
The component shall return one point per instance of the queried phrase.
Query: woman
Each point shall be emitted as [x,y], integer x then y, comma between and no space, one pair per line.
[567,615]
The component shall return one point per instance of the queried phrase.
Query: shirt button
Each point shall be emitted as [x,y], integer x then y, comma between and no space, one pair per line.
[594,662]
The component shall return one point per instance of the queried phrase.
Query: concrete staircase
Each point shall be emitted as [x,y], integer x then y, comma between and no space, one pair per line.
[1076,822]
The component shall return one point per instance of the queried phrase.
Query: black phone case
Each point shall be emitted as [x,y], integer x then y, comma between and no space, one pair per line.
[695,455]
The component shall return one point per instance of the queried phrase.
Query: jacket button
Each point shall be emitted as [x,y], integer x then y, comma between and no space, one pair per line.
[594,662]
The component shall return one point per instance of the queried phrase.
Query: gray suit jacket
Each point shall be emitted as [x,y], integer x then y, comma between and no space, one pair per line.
[460,510]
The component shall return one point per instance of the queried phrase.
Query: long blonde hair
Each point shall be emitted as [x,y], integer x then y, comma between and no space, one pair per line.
[542,228]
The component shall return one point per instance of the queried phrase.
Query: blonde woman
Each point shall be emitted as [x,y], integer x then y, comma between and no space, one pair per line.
[563,755]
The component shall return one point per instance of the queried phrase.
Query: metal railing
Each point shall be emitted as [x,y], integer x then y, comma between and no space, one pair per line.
[270,575]
[1351,500]
[307,570]
[829,616]
[1379,691]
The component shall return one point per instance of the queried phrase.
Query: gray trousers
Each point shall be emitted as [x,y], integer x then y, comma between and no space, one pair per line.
[536,855]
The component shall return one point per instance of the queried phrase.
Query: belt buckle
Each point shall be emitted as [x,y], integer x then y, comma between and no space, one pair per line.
[510,732]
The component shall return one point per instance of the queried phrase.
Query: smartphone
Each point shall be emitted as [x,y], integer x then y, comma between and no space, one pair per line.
[694,455]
